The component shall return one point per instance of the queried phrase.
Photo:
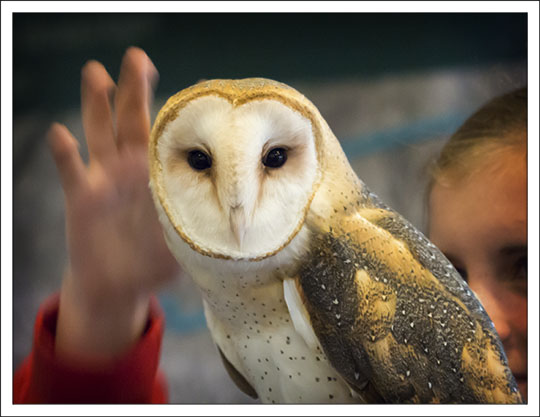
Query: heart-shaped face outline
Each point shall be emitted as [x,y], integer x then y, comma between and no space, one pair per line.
[237,92]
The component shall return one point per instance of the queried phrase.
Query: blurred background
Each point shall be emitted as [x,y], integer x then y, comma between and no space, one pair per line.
[393,87]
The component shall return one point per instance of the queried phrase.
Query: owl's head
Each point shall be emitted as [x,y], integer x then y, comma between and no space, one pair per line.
[234,166]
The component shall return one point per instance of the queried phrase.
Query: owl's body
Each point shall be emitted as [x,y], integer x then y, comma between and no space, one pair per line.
[252,327]
[314,290]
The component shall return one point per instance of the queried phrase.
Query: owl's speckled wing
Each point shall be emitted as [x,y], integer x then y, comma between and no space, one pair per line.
[395,318]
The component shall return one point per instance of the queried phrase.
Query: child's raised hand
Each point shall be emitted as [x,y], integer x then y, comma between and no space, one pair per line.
[117,252]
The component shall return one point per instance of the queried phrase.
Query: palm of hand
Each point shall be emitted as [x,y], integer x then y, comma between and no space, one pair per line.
[123,243]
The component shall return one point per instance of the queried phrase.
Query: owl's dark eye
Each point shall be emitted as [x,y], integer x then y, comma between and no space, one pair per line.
[199,160]
[275,158]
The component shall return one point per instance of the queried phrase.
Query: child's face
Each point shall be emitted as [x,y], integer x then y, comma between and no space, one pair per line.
[480,224]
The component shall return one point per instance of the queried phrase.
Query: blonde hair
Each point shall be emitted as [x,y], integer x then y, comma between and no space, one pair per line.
[498,126]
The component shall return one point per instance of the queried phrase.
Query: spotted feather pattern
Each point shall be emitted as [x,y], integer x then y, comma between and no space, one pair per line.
[395,318]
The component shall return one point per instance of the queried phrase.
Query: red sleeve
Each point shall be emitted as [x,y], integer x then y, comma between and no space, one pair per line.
[134,378]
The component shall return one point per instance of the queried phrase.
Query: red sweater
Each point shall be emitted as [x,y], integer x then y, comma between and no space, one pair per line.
[134,378]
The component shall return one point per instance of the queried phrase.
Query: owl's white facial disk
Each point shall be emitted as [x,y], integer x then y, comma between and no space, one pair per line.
[238,207]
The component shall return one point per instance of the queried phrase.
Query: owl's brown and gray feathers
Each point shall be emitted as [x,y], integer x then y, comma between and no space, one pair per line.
[393,315]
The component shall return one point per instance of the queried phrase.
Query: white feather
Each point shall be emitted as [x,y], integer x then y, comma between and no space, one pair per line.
[237,138]
[299,314]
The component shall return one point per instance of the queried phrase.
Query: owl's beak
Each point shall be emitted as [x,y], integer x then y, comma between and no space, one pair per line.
[237,219]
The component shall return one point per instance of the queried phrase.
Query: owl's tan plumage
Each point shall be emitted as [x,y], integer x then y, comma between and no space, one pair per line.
[335,297]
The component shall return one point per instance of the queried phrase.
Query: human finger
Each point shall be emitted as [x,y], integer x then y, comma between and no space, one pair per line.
[68,161]
[135,90]
[96,90]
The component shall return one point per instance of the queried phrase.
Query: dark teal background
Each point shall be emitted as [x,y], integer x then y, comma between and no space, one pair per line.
[49,49]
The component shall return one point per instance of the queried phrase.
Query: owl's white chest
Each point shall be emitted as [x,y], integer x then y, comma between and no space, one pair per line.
[250,322]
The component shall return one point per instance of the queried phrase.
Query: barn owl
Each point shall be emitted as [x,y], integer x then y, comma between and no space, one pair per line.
[314,290]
